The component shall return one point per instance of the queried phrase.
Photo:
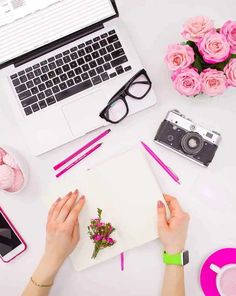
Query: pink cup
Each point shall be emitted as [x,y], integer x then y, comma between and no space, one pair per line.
[226,279]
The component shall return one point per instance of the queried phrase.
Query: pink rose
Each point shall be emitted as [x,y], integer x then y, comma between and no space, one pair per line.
[187,82]
[229,30]
[230,72]
[196,28]
[214,47]
[179,57]
[214,82]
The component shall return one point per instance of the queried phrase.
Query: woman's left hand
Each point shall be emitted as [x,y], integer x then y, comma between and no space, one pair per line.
[63,228]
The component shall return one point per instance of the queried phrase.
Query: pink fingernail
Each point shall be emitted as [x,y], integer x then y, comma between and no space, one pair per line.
[160,204]
[82,197]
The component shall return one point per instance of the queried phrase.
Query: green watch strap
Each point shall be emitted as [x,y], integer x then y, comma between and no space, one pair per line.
[176,259]
[172,259]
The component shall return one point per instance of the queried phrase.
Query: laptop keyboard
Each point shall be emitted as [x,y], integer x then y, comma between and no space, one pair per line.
[70,72]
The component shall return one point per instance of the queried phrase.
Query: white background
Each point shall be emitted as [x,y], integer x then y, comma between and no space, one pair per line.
[207,194]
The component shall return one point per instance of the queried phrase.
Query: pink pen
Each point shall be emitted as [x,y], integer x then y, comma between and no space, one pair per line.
[78,160]
[86,146]
[161,163]
[122,261]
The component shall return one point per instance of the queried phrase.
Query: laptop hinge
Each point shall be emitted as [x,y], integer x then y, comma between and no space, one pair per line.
[56,44]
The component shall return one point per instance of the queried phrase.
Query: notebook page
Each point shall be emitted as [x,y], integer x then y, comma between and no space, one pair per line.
[134,192]
[50,23]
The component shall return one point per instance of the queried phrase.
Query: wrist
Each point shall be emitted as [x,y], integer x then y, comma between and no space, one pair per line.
[175,249]
[47,270]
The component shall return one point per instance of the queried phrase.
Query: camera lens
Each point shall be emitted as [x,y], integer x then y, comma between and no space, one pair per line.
[192,143]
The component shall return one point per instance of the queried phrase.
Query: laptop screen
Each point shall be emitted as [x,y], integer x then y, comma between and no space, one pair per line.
[26,25]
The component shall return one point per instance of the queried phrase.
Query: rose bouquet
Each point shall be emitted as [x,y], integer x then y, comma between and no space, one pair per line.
[206,61]
[100,233]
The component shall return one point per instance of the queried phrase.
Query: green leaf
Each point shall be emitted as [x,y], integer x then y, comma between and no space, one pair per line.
[233,56]
[198,63]
[220,66]
[190,43]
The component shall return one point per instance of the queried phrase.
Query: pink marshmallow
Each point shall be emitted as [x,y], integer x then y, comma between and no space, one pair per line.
[2,153]
[18,182]
[10,161]
[7,176]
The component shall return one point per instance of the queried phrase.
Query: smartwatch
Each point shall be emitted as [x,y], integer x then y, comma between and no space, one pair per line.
[180,259]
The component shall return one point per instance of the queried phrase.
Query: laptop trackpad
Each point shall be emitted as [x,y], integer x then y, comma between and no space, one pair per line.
[82,115]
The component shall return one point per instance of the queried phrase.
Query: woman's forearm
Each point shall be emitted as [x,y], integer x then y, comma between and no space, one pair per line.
[43,275]
[173,284]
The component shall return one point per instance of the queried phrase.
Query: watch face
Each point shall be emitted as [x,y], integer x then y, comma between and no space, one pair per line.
[185,257]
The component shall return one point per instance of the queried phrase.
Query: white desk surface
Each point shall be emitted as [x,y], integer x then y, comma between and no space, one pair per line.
[207,194]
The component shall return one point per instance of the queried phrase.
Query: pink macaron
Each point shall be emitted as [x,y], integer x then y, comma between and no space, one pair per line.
[2,154]
[10,161]
[18,182]
[7,177]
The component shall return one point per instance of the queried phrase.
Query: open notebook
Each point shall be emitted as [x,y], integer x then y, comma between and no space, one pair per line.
[127,192]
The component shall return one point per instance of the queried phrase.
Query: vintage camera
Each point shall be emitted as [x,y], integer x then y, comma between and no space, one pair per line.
[183,136]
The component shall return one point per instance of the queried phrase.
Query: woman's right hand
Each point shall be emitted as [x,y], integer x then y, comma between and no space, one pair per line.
[172,230]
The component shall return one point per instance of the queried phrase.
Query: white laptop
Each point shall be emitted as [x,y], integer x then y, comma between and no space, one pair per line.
[60,63]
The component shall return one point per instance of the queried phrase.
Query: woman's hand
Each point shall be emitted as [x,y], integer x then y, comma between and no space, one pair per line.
[62,238]
[172,230]
[63,228]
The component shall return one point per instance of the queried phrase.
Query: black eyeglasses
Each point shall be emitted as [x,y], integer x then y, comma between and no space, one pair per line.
[137,88]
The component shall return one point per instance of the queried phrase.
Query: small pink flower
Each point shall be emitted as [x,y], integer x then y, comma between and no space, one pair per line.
[229,31]
[187,82]
[230,72]
[98,238]
[214,82]
[110,241]
[100,224]
[214,47]
[196,28]
[179,57]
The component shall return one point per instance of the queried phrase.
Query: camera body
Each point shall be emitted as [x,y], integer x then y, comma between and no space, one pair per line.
[188,139]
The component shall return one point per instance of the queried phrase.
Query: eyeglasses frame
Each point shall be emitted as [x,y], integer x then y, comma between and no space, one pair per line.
[123,92]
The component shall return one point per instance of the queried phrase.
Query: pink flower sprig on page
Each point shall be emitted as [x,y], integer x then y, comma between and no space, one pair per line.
[100,233]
